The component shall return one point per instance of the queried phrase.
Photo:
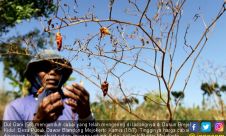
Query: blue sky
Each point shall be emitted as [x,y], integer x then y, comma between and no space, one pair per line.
[136,82]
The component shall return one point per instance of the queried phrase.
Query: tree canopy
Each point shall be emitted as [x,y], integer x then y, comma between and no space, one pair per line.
[13,12]
[15,49]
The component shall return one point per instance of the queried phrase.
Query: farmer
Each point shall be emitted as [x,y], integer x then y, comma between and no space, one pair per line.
[48,101]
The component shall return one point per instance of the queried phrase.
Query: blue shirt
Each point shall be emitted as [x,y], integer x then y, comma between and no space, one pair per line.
[24,109]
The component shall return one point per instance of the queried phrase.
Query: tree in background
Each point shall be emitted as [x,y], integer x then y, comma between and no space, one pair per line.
[13,12]
[15,51]
[15,55]
[178,95]
[213,88]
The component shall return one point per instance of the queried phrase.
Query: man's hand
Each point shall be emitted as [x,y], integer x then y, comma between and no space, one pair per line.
[50,108]
[78,99]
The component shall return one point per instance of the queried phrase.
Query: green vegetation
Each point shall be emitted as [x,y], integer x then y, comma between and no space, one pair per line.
[15,62]
[148,110]
[15,50]
[13,12]
[5,97]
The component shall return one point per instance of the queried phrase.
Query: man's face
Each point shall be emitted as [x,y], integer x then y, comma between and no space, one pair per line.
[50,74]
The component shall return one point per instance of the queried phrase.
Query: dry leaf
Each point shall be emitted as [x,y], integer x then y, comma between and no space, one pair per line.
[104,31]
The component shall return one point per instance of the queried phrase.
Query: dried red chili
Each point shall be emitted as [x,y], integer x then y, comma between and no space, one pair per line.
[104,88]
[59,41]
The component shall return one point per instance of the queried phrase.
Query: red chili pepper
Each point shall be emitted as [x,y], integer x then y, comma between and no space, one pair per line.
[58,41]
[104,88]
